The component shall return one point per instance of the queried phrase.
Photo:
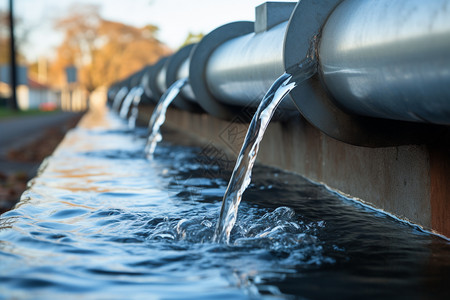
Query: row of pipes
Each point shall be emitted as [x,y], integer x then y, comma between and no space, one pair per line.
[383,68]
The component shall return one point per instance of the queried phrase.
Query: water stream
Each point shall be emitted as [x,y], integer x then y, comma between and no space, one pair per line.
[118,98]
[125,108]
[135,108]
[159,115]
[241,177]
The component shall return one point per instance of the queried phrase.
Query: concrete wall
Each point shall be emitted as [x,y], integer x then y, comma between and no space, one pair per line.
[411,182]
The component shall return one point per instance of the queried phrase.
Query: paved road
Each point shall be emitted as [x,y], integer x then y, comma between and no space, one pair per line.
[16,132]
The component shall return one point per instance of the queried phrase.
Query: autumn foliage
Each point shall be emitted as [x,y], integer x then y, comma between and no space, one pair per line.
[5,40]
[103,51]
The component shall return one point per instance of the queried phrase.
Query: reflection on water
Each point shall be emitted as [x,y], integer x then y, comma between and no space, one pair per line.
[103,222]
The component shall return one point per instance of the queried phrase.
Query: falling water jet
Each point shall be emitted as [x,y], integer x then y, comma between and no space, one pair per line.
[241,177]
[118,98]
[135,108]
[159,115]
[127,102]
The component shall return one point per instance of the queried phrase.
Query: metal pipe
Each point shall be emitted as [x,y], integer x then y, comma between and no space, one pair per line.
[153,74]
[161,80]
[178,65]
[389,59]
[234,65]
[242,69]
[382,64]
[119,96]
[136,78]
[183,72]
[147,95]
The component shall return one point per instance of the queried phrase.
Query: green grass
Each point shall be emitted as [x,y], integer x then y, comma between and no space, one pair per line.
[6,113]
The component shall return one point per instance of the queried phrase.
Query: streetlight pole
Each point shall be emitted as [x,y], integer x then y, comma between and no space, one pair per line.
[12,51]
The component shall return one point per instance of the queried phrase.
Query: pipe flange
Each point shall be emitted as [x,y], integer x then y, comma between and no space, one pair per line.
[127,83]
[135,79]
[318,106]
[197,69]
[152,77]
[172,66]
[310,97]
[147,96]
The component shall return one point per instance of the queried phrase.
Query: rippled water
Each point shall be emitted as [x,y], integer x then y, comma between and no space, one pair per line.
[103,222]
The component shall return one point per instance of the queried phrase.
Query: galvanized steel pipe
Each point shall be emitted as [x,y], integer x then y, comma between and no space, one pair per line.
[378,61]
[183,72]
[161,80]
[155,84]
[234,65]
[145,84]
[177,67]
[242,69]
[389,59]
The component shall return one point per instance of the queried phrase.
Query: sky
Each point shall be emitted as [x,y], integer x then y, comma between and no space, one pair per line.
[175,18]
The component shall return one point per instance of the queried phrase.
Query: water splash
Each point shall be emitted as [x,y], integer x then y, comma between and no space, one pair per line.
[241,177]
[135,109]
[118,98]
[127,102]
[100,223]
[159,115]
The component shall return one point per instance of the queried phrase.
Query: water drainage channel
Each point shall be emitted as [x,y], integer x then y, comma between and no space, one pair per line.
[115,220]
[102,221]
[373,87]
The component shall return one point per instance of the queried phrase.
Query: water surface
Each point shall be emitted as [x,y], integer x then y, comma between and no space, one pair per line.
[103,222]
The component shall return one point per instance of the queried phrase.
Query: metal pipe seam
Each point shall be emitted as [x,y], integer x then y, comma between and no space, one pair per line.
[396,66]
[138,78]
[131,83]
[313,98]
[147,95]
[118,98]
[161,78]
[316,103]
[242,69]
[139,81]
[185,100]
[111,93]
[135,78]
[120,90]
[116,86]
[152,78]
[183,72]
[199,59]
[217,38]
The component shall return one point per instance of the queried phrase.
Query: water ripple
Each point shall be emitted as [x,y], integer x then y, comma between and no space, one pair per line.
[101,222]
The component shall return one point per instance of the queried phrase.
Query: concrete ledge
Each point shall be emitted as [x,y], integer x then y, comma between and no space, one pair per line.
[411,182]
